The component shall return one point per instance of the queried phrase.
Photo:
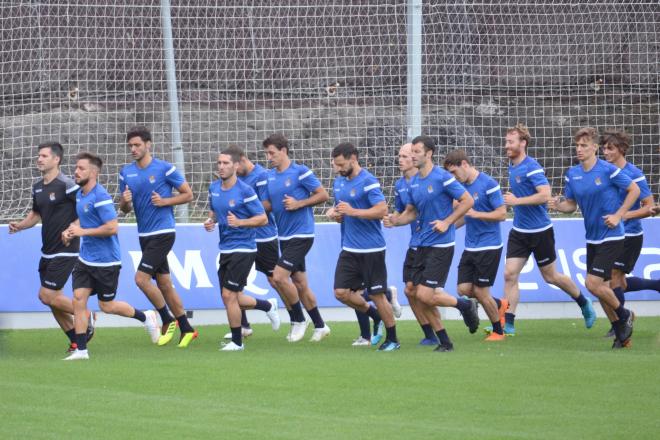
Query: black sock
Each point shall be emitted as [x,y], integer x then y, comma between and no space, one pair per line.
[165,316]
[373,313]
[244,322]
[443,337]
[363,322]
[622,313]
[139,316]
[316,317]
[71,334]
[618,292]
[497,327]
[498,302]
[376,324]
[236,335]
[291,315]
[428,331]
[634,284]
[81,341]
[262,305]
[509,318]
[297,311]
[390,334]
[581,300]
[463,304]
[184,325]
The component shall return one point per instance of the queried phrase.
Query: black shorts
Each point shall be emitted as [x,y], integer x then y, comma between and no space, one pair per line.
[361,269]
[293,255]
[431,266]
[267,255]
[54,272]
[600,258]
[479,267]
[103,280]
[154,253]
[234,269]
[632,248]
[408,265]
[542,244]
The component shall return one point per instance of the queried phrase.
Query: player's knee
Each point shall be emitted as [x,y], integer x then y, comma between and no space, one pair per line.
[410,291]
[593,285]
[107,306]
[341,295]
[465,290]
[46,298]
[510,276]
[142,279]
[280,279]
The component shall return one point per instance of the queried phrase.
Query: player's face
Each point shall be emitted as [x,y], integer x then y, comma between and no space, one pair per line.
[275,157]
[585,149]
[345,167]
[226,168]
[460,172]
[514,146]
[139,148]
[405,159]
[46,160]
[84,172]
[611,153]
[419,156]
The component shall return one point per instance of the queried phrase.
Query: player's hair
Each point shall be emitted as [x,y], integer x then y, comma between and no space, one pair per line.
[456,158]
[278,140]
[139,131]
[234,152]
[91,157]
[523,132]
[427,141]
[55,148]
[588,132]
[619,138]
[346,150]
[234,149]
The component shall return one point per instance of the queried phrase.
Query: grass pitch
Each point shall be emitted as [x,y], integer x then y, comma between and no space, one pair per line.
[553,380]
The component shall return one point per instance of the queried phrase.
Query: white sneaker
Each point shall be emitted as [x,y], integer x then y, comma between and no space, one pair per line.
[320,333]
[288,336]
[77,355]
[273,315]
[230,346]
[396,307]
[298,331]
[151,325]
[361,342]
[245,332]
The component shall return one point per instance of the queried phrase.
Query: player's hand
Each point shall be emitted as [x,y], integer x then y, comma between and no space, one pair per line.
[334,216]
[209,224]
[510,199]
[345,209]
[13,227]
[472,213]
[554,202]
[157,200]
[612,220]
[291,204]
[388,221]
[440,226]
[74,230]
[232,220]
[66,238]
[127,195]
[655,210]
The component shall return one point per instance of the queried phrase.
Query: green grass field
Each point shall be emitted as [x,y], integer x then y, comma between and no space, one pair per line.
[553,380]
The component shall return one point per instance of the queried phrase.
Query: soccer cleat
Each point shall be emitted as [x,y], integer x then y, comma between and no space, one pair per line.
[380,332]
[361,342]
[231,346]
[397,310]
[509,330]
[494,337]
[588,313]
[320,333]
[504,306]
[187,338]
[77,355]
[389,346]
[166,337]
[91,325]
[611,333]
[428,341]
[72,347]
[625,329]
[298,330]
[273,316]
[618,344]
[471,316]
[444,348]
[151,325]
[245,332]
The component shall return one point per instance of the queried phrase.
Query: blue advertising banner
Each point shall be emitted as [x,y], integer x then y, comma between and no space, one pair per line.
[193,265]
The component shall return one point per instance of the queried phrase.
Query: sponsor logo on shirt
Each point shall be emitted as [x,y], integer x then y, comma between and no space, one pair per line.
[152,179]
[215,194]
[51,196]
[131,175]
[576,177]
[38,190]
[598,181]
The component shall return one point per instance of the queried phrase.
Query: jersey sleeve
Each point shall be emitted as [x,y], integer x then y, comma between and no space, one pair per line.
[252,202]
[35,206]
[536,175]
[400,200]
[261,187]
[640,180]
[122,182]
[494,195]
[374,192]
[453,188]
[173,177]
[105,208]
[307,179]
[568,192]
[71,188]
[619,179]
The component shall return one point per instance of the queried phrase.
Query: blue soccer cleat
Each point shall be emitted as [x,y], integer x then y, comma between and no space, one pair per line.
[389,346]
[589,314]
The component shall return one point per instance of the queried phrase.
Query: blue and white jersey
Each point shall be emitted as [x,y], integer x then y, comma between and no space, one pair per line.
[94,210]
[633,227]
[158,176]
[243,202]
[258,180]
[401,190]
[597,193]
[361,192]
[523,180]
[299,182]
[481,235]
[433,197]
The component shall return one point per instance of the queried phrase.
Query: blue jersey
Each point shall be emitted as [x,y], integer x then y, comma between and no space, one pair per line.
[299,182]
[523,180]
[258,180]
[243,202]
[633,227]
[433,197]
[96,209]
[158,176]
[597,193]
[361,192]
[401,189]
[481,235]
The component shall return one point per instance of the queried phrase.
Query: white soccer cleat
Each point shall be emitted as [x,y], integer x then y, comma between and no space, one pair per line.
[151,325]
[245,332]
[361,342]
[298,331]
[288,336]
[231,346]
[396,307]
[320,333]
[273,315]
[77,355]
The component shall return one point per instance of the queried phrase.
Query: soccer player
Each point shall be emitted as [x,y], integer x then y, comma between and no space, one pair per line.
[483,239]
[532,230]
[292,191]
[54,203]
[146,186]
[238,211]
[594,186]
[430,203]
[361,204]
[99,262]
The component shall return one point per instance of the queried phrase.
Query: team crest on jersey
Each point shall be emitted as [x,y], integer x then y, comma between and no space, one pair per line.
[352,192]
[518,179]
[51,196]
[287,182]
[429,189]
[86,207]
[598,182]
[232,203]
[475,196]
[152,179]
